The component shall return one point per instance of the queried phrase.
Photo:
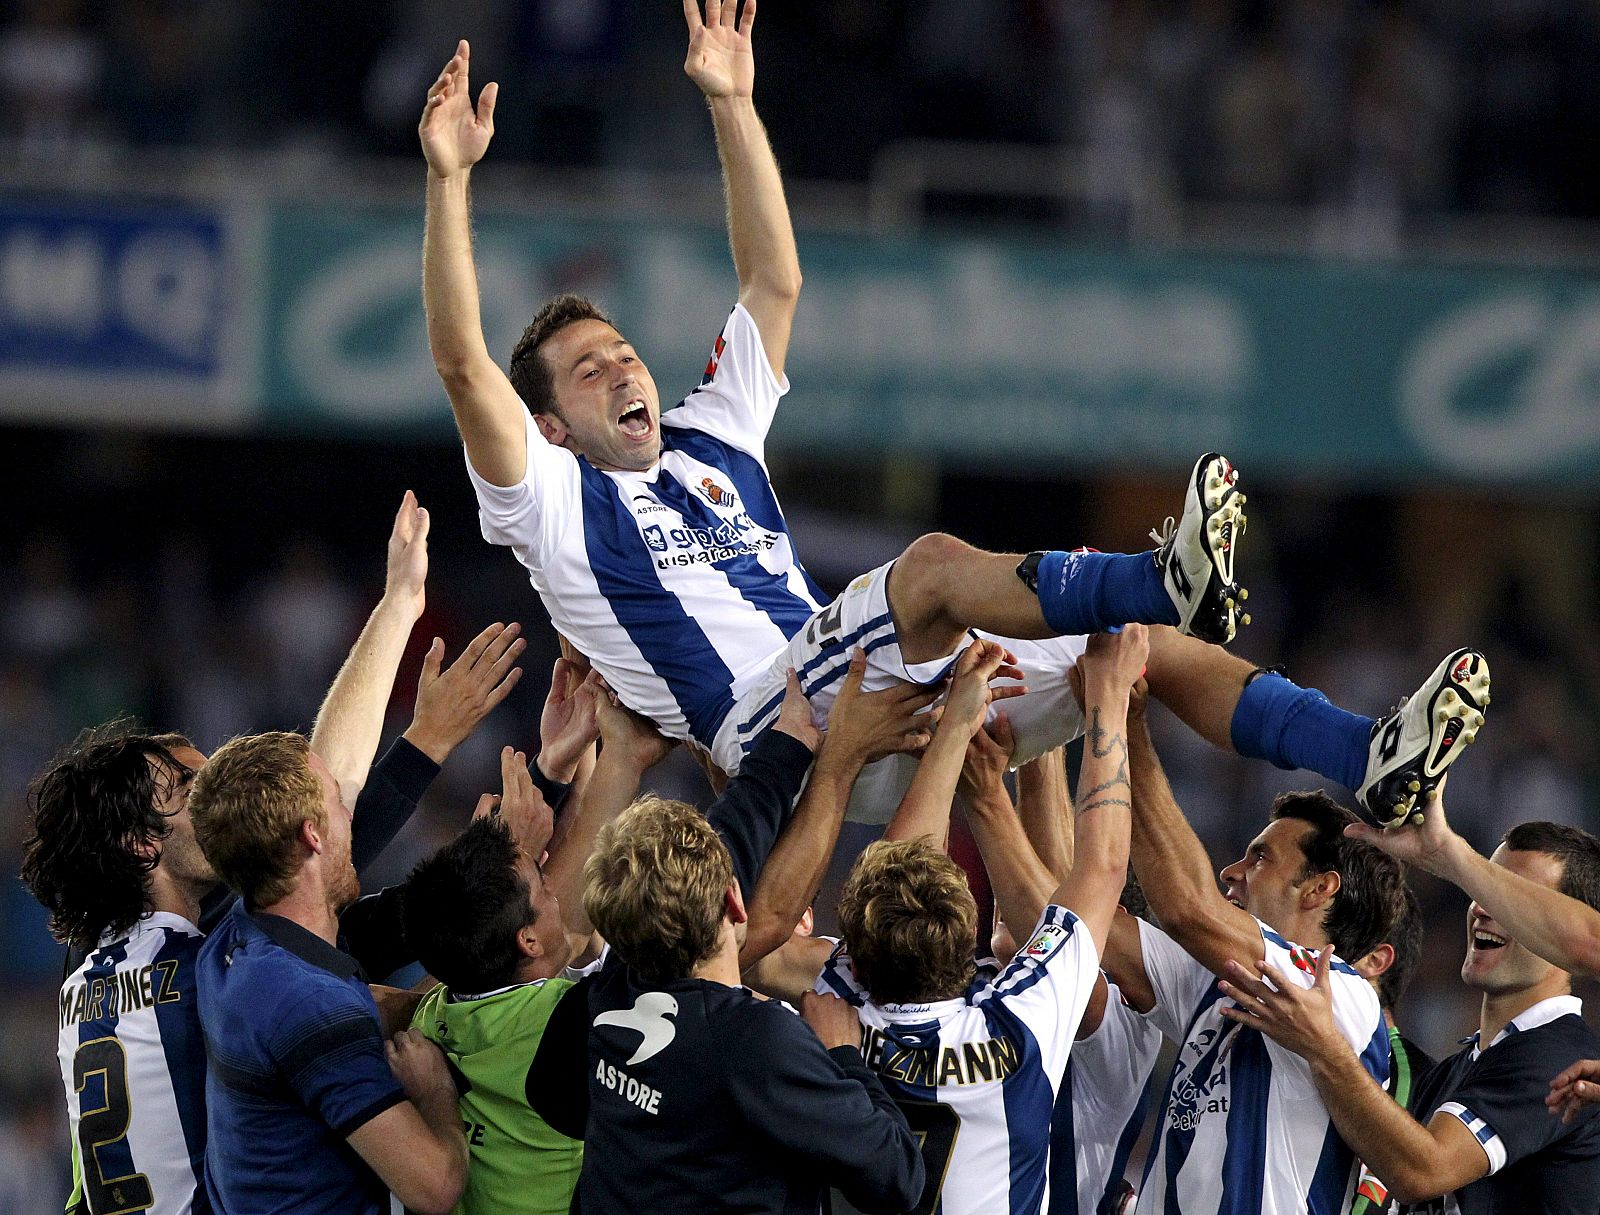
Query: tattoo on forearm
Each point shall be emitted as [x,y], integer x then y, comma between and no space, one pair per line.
[1096,733]
[1107,801]
[1101,742]
[1103,745]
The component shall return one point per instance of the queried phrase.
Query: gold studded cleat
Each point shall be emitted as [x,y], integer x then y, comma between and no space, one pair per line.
[1413,746]
[1196,555]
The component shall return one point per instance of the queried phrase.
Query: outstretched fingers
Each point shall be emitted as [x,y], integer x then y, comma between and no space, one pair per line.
[405,519]
[1251,994]
[748,18]
[480,643]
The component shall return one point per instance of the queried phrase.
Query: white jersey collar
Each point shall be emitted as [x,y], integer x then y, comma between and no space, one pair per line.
[935,1010]
[150,919]
[1542,1013]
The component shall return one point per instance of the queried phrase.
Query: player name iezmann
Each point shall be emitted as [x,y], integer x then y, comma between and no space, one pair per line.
[125,990]
[969,1063]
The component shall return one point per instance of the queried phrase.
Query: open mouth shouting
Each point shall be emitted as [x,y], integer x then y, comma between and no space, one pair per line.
[635,422]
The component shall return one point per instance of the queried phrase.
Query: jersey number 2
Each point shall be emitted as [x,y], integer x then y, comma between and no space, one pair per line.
[936,1127]
[106,1125]
[823,629]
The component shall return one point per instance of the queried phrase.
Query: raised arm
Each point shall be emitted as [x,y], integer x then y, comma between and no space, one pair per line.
[1022,884]
[453,701]
[1553,925]
[925,808]
[862,727]
[1044,805]
[630,746]
[350,720]
[1112,663]
[722,62]
[1175,871]
[489,414]
[567,725]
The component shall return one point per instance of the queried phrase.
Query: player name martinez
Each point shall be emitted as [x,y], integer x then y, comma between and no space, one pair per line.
[122,991]
[970,1063]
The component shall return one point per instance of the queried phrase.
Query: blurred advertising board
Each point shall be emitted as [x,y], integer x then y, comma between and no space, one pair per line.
[1026,354]
[112,310]
[1001,352]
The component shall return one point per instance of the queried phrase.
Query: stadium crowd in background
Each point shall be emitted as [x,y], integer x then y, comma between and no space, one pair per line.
[1379,110]
[610,1029]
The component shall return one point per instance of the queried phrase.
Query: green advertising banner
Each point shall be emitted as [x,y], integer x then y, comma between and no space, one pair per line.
[1029,354]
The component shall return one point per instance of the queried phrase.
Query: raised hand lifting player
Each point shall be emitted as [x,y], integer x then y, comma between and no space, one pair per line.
[658,546]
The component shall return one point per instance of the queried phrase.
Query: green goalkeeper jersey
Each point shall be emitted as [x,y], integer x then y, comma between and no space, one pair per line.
[517,1160]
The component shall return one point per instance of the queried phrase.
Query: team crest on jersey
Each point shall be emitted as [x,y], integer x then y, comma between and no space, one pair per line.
[715,494]
[714,360]
[1046,941]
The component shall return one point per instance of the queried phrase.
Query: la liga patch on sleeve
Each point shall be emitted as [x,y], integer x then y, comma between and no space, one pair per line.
[1046,941]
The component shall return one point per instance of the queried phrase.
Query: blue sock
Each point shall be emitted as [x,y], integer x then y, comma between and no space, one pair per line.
[1096,592]
[1295,727]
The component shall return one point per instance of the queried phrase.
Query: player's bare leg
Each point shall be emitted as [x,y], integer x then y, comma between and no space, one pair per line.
[941,586]
[1393,763]
[1201,683]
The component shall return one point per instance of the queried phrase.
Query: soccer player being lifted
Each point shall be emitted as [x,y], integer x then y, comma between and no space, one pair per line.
[659,549]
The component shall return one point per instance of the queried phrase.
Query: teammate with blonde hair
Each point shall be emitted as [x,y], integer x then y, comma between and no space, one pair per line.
[702,1096]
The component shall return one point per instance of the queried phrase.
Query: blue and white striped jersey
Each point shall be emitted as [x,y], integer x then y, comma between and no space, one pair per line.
[1098,1115]
[977,1076]
[1243,1130]
[680,584]
[134,1066]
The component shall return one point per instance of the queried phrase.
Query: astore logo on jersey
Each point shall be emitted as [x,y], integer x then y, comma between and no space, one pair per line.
[651,1018]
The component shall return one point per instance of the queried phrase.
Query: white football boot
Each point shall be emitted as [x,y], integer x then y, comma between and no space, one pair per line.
[1413,746]
[1196,556]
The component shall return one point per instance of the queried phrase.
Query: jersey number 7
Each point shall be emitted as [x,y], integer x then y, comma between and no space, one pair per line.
[936,1127]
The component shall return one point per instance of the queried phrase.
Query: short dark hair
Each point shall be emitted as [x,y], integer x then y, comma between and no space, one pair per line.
[1371,884]
[1575,848]
[530,374]
[462,907]
[1405,938]
[93,812]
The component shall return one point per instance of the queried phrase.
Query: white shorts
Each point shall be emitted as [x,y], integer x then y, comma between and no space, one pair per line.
[1047,716]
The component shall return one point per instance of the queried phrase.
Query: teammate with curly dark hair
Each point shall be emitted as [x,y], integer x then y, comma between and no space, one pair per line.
[111,835]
